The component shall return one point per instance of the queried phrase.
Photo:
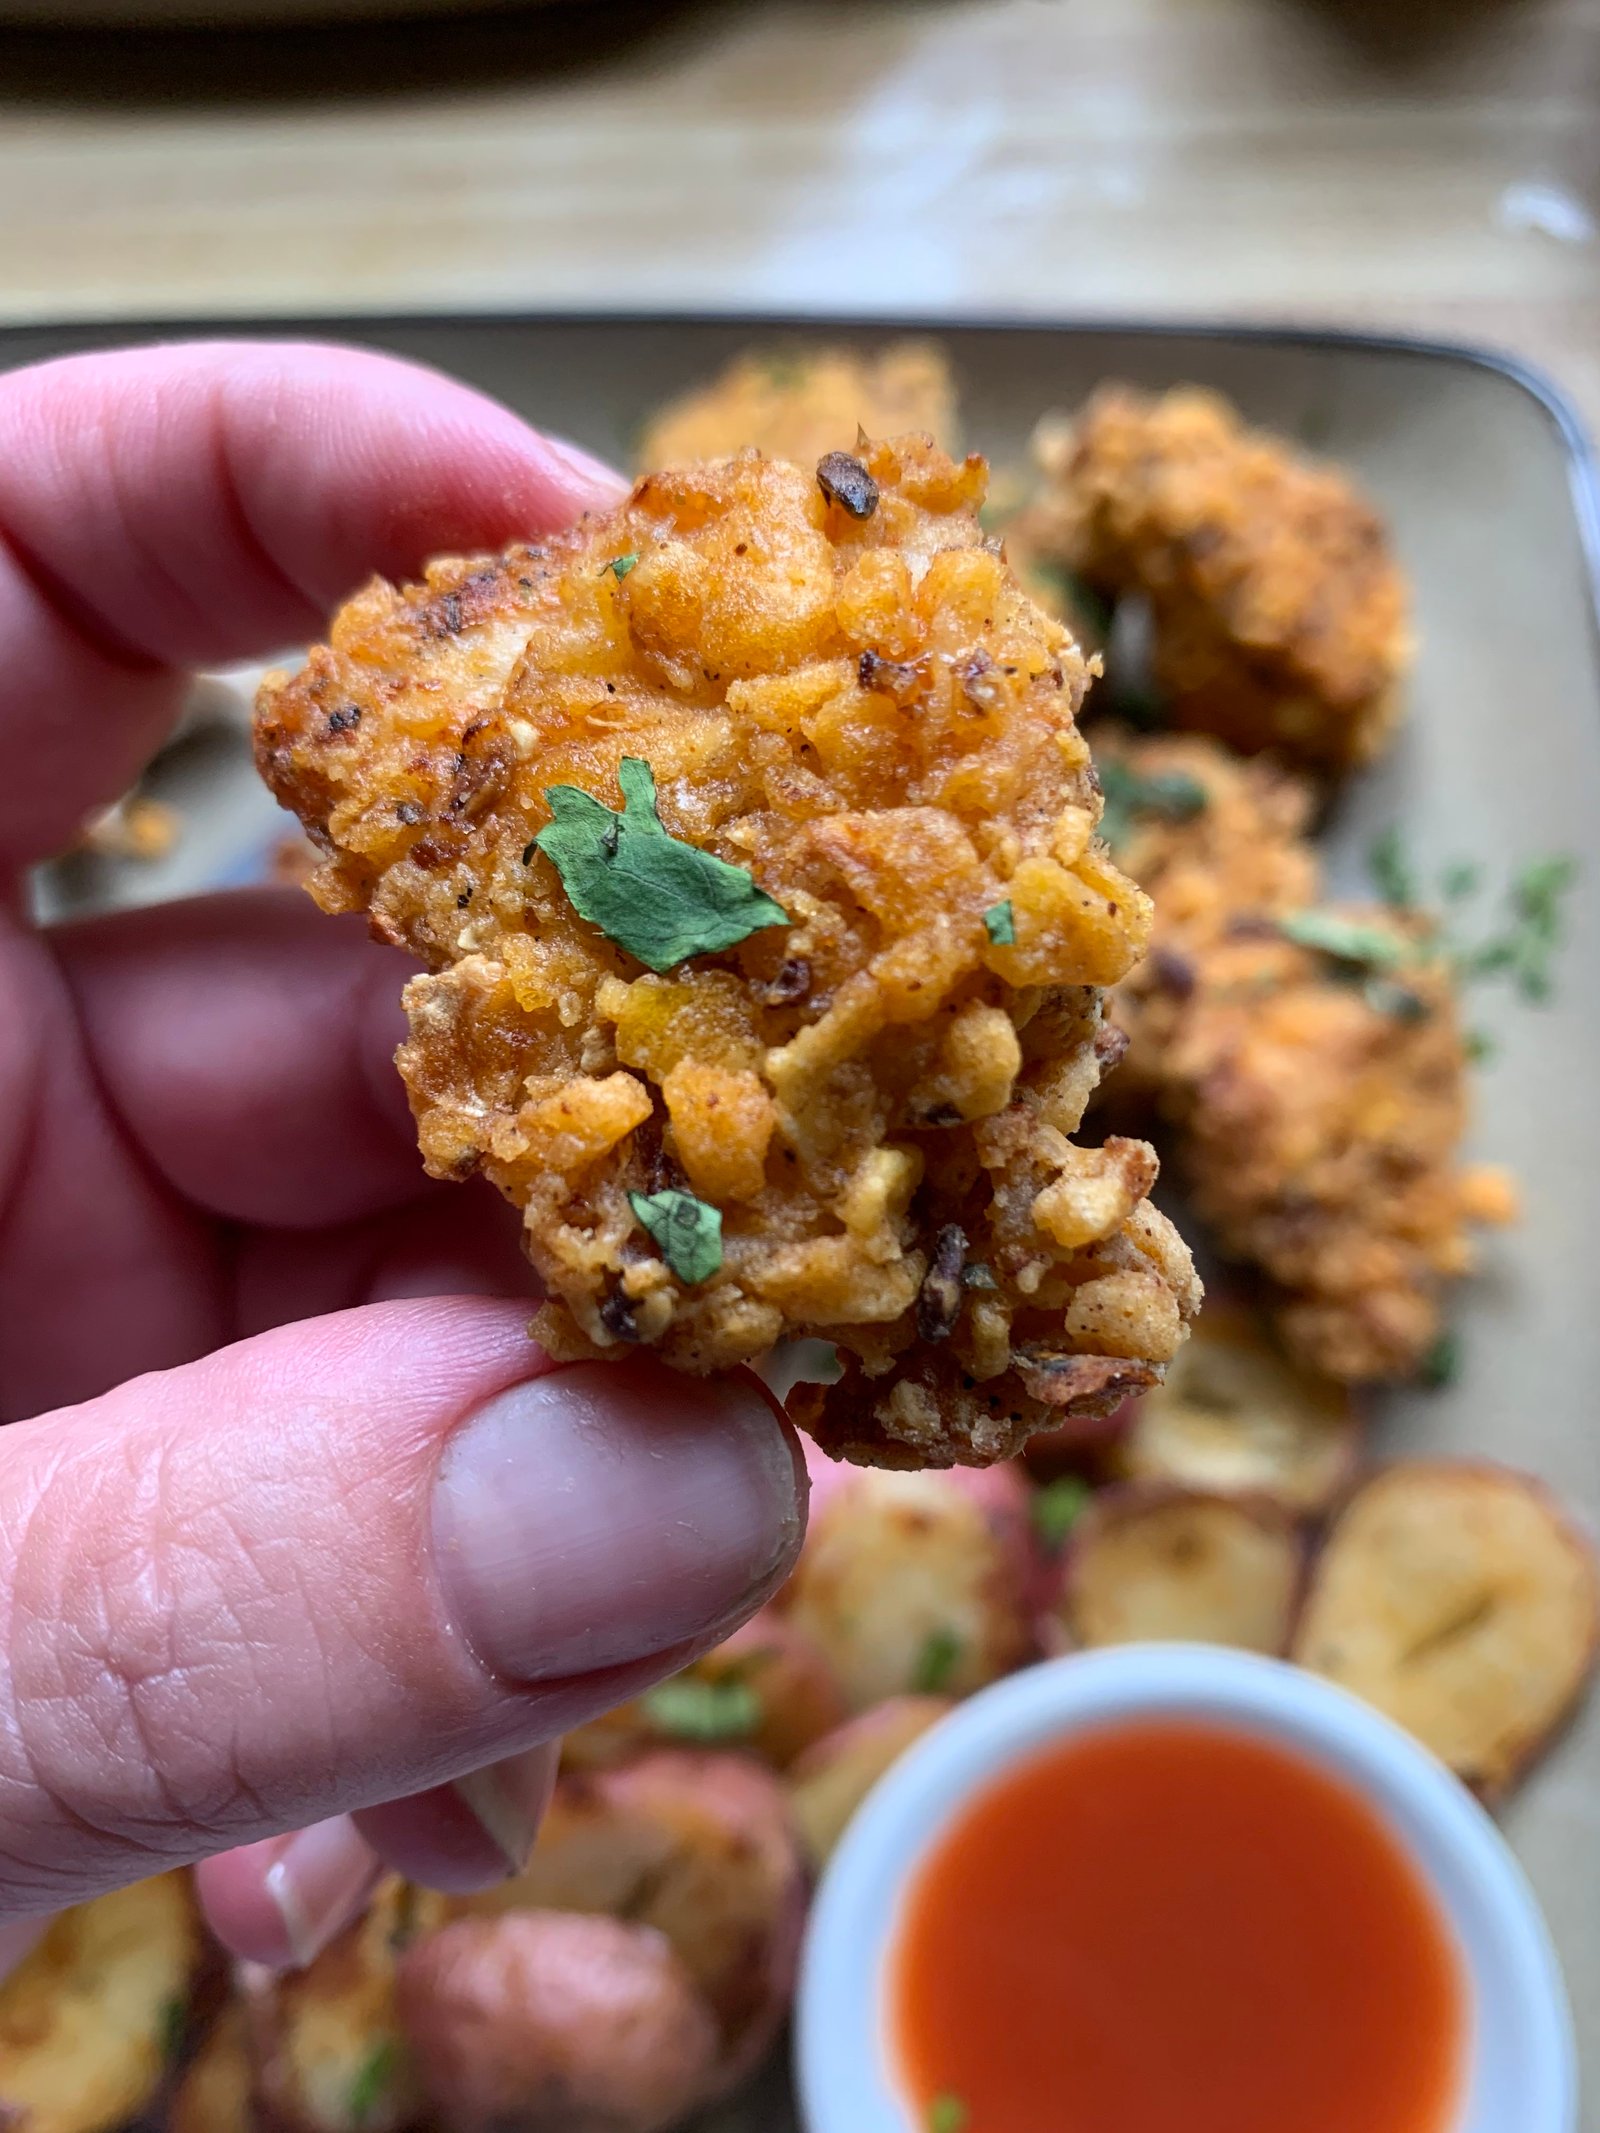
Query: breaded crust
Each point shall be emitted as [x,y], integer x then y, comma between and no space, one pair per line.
[840,689]
[1317,1108]
[798,403]
[1281,617]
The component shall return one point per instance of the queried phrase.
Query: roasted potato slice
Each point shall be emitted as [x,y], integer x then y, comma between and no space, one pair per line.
[916,1583]
[553,2022]
[1237,1417]
[769,1688]
[1459,1598]
[1152,1563]
[89,2019]
[216,2093]
[326,2041]
[830,1781]
[699,1846]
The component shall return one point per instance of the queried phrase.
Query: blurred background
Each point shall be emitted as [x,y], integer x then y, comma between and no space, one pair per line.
[1430,165]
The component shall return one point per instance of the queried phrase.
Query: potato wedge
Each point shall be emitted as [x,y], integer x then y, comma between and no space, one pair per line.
[554,2022]
[215,2094]
[1237,1417]
[326,2041]
[1459,1598]
[830,1781]
[699,1846]
[1147,1562]
[768,1688]
[916,1583]
[89,2019]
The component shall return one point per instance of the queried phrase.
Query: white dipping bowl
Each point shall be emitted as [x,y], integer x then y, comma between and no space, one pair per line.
[1521,2074]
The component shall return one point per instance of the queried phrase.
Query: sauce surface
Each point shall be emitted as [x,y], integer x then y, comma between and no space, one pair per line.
[1170,1928]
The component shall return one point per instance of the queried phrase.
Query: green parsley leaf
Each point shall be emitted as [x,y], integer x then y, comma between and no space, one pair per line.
[1000,923]
[620,565]
[1460,879]
[1441,1365]
[1346,940]
[687,1230]
[1392,870]
[947,2114]
[174,2020]
[936,1662]
[1055,1508]
[659,898]
[373,2080]
[1168,795]
[688,1708]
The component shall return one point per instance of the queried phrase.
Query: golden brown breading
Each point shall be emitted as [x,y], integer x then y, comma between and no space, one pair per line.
[1317,1105]
[839,689]
[798,403]
[1244,851]
[1280,616]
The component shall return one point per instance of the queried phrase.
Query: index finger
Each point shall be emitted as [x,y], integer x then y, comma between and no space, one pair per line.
[165,508]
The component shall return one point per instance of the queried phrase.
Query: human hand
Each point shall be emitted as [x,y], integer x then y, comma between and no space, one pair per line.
[263,1570]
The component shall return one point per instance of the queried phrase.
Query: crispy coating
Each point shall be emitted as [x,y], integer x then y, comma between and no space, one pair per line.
[1317,1118]
[798,403]
[1279,612]
[862,710]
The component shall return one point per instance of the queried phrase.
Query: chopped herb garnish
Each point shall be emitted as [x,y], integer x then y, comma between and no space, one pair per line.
[947,2114]
[1460,879]
[620,565]
[1480,1046]
[1393,872]
[1346,940]
[936,1662]
[373,2079]
[1442,1364]
[978,1274]
[689,1708]
[659,898]
[687,1230]
[1525,950]
[1056,1507]
[174,2019]
[1000,923]
[1167,795]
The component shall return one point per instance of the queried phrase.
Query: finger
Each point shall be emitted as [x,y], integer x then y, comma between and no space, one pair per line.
[247,1046]
[347,1562]
[455,1240]
[471,1834]
[18,1937]
[164,508]
[280,1902]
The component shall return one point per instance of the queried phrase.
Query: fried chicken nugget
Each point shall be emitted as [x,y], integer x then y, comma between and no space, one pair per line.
[749,840]
[1309,1060]
[798,403]
[1280,615]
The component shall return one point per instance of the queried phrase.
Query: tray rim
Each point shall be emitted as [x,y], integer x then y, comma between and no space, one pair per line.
[1578,445]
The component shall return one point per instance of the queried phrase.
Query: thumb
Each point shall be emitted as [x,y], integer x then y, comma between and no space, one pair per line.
[347,1561]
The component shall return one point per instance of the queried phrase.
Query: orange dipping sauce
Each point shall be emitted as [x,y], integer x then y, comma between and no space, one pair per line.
[1166,1928]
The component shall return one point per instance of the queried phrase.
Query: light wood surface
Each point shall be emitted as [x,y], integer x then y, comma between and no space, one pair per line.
[1424,164]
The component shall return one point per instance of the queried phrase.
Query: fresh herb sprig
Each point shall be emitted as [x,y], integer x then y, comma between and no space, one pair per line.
[689,1231]
[1525,944]
[937,1661]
